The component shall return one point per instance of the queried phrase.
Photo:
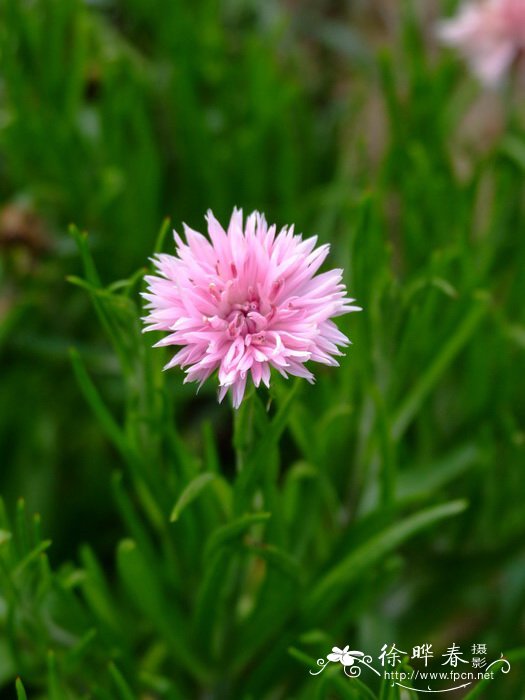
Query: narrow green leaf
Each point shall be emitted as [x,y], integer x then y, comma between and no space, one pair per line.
[109,307]
[359,690]
[146,591]
[127,285]
[224,495]
[45,573]
[388,471]
[22,536]
[20,690]
[128,511]
[159,243]
[333,683]
[92,396]
[56,691]
[4,520]
[123,690]
[514,148]
[96,590]
[81,648]
[279,423]
[210,448]
[256,459]
[190,493]
[276,603]
[420,482]
[413,402]
[230,533]
[81,239]
[31,557]
[302,657]
[311,664]
[278,559]
[423,481]
[211,586]
[333,584]
[141,582]
[37,529]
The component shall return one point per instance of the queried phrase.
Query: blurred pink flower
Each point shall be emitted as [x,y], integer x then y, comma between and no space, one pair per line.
[244,301]
[490,34]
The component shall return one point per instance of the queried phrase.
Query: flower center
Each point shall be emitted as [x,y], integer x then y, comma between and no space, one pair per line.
[245,320]
[241,312]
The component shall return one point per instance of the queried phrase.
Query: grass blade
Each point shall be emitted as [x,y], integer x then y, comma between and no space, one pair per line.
[334,583]
[412,404]
[190,493]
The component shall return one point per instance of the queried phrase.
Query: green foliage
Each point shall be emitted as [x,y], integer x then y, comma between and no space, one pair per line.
[218,557]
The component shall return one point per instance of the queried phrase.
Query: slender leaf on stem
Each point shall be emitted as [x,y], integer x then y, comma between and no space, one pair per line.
[124,692]
[190,493]
[430,377]
[20,690]
[230,533]
[336,581]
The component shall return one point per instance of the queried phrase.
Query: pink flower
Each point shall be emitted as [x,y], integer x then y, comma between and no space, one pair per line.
[490,34]
[245,301]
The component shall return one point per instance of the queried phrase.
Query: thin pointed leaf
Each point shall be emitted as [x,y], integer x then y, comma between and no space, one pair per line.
[412,404]
[333,584]
[190,493]
[230,533]
[124,692]
[20,690]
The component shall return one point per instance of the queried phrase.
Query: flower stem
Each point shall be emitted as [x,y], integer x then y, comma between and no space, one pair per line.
[243,429]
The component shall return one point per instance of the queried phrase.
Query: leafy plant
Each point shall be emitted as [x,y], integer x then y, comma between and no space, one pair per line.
[212,554]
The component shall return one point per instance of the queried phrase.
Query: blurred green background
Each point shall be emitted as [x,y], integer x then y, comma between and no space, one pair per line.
[348,120]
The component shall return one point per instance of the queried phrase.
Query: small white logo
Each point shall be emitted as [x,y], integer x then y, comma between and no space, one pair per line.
[347,659]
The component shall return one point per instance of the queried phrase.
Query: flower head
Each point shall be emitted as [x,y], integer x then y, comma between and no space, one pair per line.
[244,301]
[490,34]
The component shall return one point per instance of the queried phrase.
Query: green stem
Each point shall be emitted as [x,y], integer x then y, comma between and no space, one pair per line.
[243,429]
